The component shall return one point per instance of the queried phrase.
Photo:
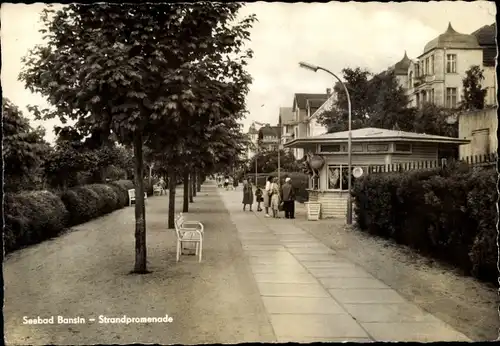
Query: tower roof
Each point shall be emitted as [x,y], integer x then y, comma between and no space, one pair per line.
[452,39]
[401,67]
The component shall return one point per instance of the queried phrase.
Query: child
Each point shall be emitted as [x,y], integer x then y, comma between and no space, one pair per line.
[259,198]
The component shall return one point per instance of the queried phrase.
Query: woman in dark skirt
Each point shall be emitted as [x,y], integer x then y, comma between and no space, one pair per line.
[247,194]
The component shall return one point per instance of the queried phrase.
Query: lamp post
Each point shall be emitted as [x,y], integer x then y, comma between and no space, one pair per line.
[349,141]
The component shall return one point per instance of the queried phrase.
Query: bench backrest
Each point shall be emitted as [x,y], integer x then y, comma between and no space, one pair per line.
[179,220]
[131,193]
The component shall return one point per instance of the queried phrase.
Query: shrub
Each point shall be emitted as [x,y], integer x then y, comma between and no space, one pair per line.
[82,204]
[109,200]
[31,217]
[447,213]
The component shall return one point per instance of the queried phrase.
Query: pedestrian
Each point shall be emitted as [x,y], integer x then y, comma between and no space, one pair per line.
[267,195]
[288,198]
[258,197]
[226,183]
[275,197]
[247,194]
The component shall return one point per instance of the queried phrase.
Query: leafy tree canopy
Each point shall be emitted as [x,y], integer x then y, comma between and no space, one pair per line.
[474,95]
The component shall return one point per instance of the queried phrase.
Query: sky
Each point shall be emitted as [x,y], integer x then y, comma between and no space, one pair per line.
[334,35]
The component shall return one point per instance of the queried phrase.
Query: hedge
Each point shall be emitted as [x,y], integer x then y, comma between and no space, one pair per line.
[31,217]
[34,216]
[449,214]
[300,182]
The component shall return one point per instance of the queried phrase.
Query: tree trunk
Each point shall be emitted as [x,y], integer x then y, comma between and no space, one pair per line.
[150,174]
[171,197]
[193,178]
[185,195]
[191,185]
[198,181]
[140,210]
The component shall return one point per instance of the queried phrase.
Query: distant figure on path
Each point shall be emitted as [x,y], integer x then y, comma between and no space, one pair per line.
[288,198]
[226,183]
[259,197]
[267,195]
[247,194]
[275,197]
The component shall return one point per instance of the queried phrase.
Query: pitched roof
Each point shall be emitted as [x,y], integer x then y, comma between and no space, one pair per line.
[300,99]
[372,133]
[452,39]
[315,103]
[286,115]
[486,35]
[270,131]
[486,39]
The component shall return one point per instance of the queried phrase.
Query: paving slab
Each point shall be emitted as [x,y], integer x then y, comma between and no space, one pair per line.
[301,305]
[273,261]
[292,290]
[263,247]
[340,272]
[295,238]
[402,312]
[289,231]
[259,242]
[316,258]
[348,283]
[266,269]
[312,339]
[336,263]
[285,277]
[311,251]
[361,295]
[416,332]
[314,244]
[324,326]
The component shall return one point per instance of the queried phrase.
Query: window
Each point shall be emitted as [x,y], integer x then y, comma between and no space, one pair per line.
[432,64]
[356,148]
[337,177]
[432,96]
[427,66]
[418,100]
[334,148]
[410,80]
[451,97]
[451,63]
[378,148]
[314,183]
[402,147]
[417,70]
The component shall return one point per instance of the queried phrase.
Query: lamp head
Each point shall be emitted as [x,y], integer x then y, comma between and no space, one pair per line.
[308,66]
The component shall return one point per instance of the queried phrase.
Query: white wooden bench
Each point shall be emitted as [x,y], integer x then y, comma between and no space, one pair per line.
[188,232]
[131,196]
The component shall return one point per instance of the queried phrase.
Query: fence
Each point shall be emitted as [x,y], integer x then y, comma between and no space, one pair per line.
[474,162]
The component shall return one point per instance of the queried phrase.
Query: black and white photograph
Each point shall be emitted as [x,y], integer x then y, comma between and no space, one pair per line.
[250,172]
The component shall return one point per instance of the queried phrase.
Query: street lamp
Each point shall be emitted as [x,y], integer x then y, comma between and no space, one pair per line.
[349,141]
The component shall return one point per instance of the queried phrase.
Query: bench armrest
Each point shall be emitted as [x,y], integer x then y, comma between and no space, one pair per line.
[187,231]
[198,225]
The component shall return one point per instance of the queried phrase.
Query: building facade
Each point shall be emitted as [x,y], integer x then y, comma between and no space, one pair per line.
[480,128]
[437,75]
[269,137]
[287,124]
[304,106]
[253,136]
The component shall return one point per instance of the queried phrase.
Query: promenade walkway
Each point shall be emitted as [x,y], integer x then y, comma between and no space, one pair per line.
[313,294]
[261,280]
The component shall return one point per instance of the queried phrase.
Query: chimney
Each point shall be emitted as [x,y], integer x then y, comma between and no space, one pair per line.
[328,91]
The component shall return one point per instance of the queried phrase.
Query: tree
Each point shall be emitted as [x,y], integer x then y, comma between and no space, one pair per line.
[126,68]
[267,162]
[24,149]
[474,94]
[390,108]
[434,120]
[362,101]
